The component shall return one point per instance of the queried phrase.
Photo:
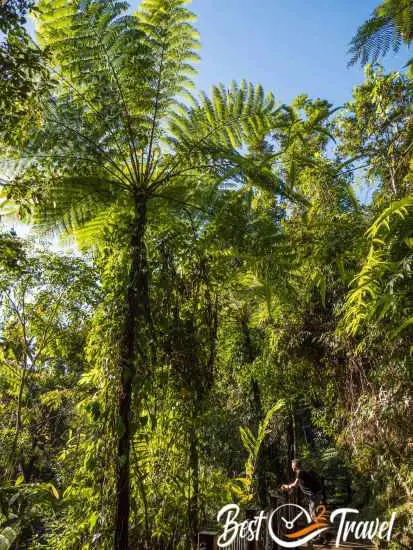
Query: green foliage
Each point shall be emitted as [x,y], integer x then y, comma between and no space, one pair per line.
[23,506]
[23,78]
[390,25]
[382,289]
[7,537]
[224,263]
[243,487]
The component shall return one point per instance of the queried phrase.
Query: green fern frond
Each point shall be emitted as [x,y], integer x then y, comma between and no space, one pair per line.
[242,487]
[390,26]
[398,208]
[73,203]
[7,537]
[387,268]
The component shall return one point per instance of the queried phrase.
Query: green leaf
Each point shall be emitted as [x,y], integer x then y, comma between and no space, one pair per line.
[19,480]
[53,490]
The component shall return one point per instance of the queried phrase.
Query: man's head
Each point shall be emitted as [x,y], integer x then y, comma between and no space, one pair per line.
[296,465]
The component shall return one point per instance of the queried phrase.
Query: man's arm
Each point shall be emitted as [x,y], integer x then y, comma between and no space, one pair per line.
[292,485]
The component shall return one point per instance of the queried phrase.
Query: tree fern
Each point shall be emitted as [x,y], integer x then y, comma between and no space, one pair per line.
[390,26]
[117,116]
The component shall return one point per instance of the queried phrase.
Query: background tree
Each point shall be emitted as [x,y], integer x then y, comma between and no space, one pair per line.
[46,303]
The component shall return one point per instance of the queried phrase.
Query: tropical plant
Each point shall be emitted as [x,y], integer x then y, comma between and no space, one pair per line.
[243,487]
[390,25]
[226,263]
[382,288]
[114,137]
[23,78]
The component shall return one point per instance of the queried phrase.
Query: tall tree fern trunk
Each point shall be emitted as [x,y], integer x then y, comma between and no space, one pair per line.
[135,321]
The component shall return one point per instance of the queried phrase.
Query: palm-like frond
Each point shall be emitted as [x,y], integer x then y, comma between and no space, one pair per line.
[173,42]
[226,136]
[74,204]
[92,44]
[233,117]
[243,487]
[383,285]
[116,114]
[390,26]
[119,75]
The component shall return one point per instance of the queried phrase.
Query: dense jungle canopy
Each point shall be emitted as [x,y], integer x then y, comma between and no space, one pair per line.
[231,302]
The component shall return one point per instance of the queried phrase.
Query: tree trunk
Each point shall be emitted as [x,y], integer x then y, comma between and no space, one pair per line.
[194,480]
[135,316]
[291,440]
[14,459]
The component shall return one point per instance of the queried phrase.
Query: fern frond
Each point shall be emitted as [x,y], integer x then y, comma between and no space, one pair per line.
[383,284]
[75,204]
[398,208]
[242,487]
[390,26]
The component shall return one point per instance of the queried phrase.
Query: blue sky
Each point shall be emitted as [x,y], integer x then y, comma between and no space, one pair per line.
[289,46]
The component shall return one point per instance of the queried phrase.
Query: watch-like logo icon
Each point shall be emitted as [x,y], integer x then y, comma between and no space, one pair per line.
[288,534]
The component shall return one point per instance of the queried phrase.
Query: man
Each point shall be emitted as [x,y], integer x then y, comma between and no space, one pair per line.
[309,485]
